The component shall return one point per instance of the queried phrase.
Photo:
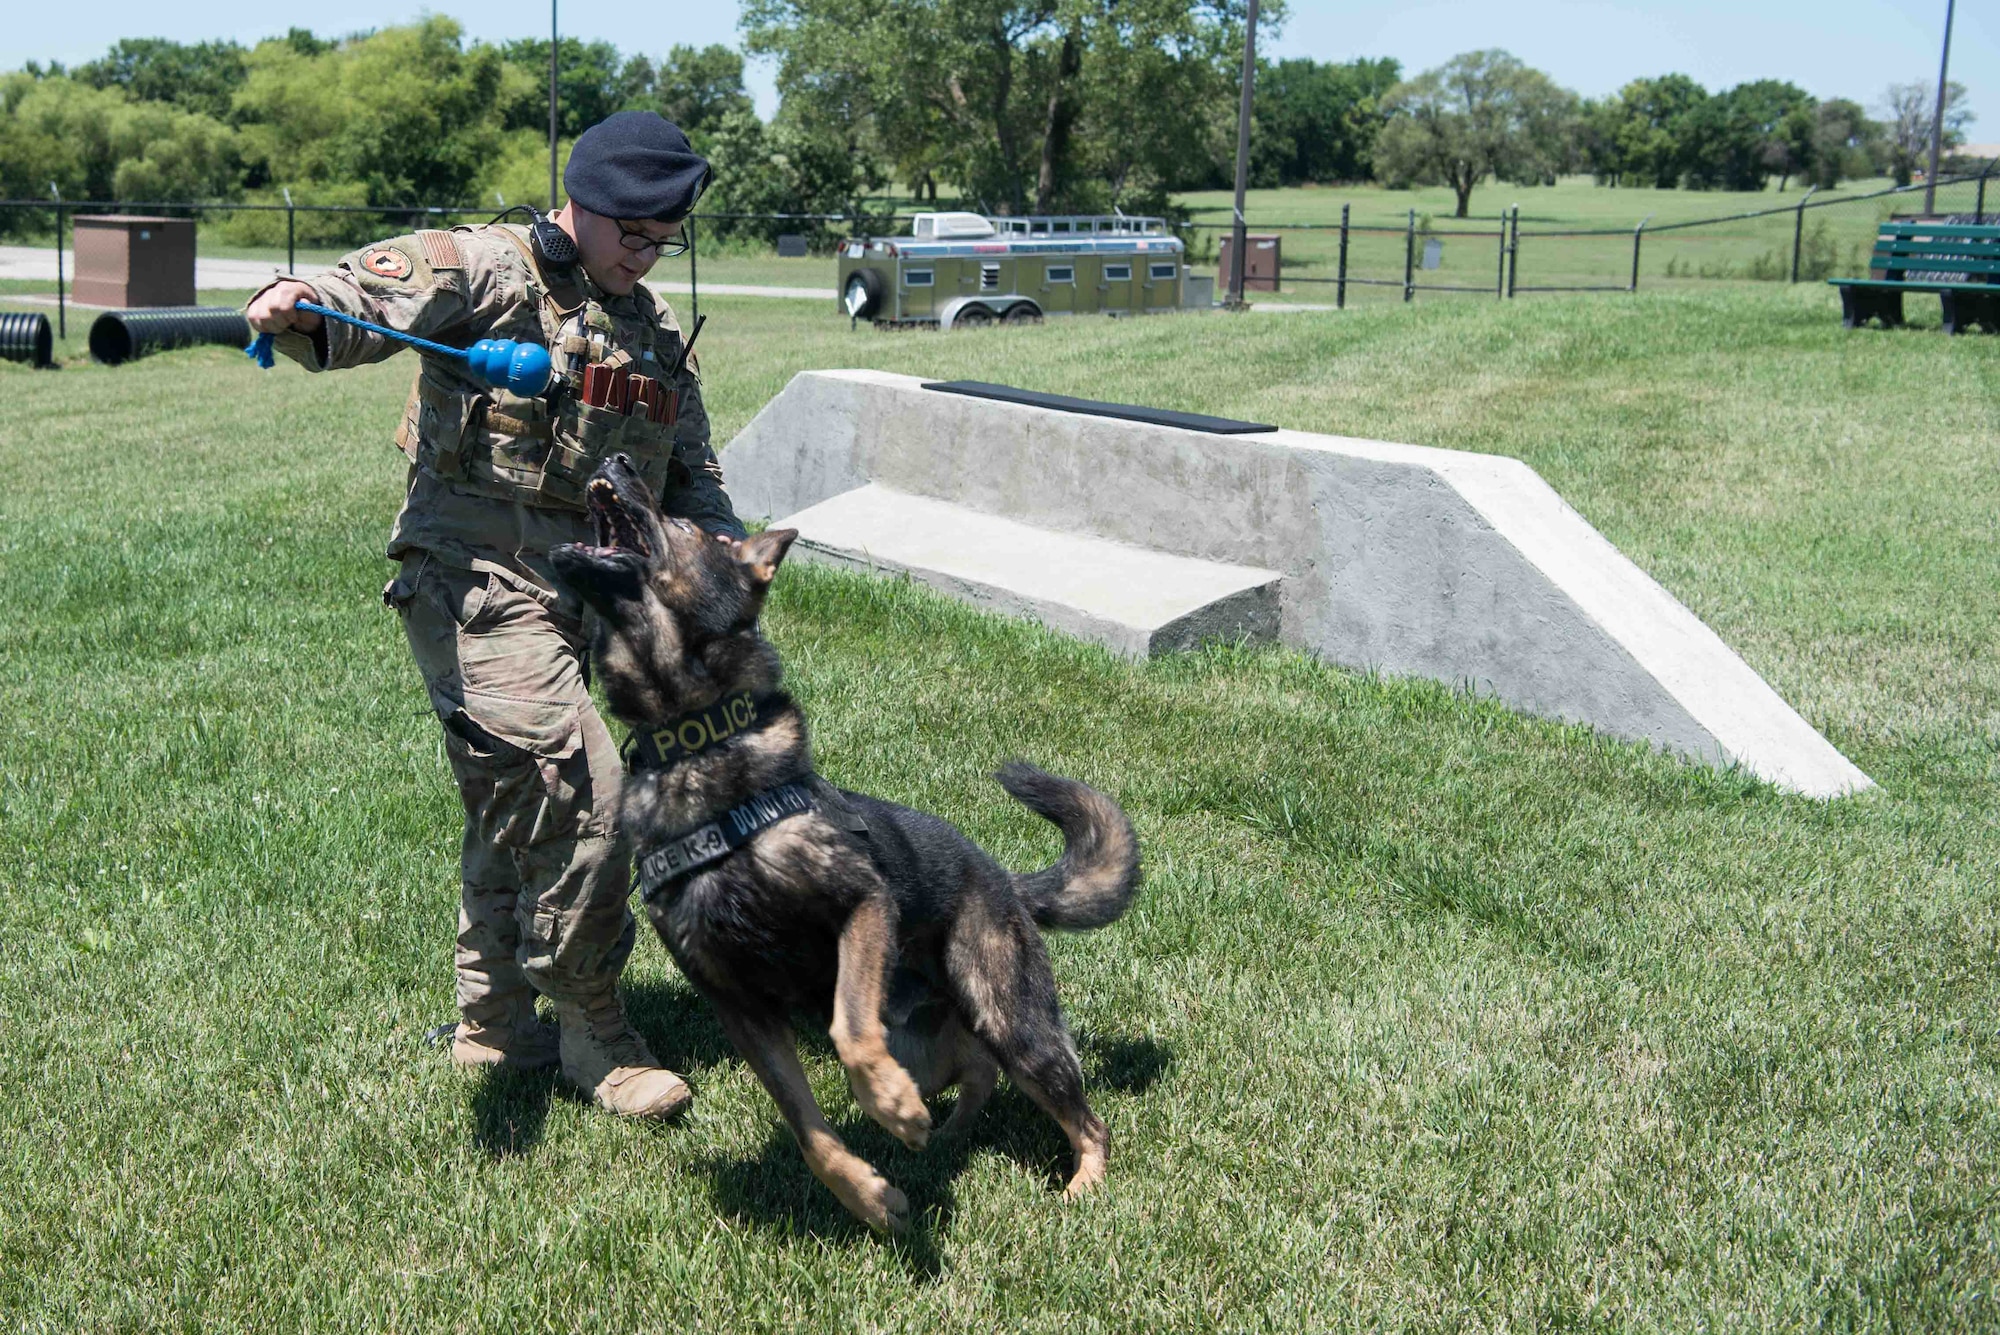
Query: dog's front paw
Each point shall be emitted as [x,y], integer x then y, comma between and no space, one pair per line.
[887,1094]
[869,1198]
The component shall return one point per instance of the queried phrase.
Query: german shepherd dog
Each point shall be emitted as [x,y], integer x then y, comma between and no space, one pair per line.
[921,948]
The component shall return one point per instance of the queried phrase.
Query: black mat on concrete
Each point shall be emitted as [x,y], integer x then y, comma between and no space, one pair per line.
[1131,412]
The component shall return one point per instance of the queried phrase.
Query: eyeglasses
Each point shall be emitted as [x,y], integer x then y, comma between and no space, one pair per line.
[664,247]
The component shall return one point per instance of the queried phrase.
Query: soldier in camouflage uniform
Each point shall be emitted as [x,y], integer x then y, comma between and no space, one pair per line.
[495,481]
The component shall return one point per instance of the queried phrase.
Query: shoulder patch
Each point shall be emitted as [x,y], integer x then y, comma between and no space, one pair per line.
[440,249]
[386,262]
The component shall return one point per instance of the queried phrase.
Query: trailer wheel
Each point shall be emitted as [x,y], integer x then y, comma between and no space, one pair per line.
[974,314]
[863,296]
[1024,313]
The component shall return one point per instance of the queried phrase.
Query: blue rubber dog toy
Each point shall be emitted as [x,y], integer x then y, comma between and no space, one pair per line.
[501,363]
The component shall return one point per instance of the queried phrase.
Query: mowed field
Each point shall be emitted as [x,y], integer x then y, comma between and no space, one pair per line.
[1428,1017]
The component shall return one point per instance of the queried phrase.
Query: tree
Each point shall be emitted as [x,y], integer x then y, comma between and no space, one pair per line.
[1844,140]
[202,77]
[1144,108]
[1319,122]
[1648,134]
[1481,114]
[96,143]
[1025,104]
[592,81]
[1910,108]
[697,88]
[1735,140]
[403,114]
[778,168]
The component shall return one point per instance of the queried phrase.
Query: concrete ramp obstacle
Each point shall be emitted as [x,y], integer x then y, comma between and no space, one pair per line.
[1145,536]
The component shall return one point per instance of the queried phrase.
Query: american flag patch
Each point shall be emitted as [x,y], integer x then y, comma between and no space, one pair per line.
[440,250]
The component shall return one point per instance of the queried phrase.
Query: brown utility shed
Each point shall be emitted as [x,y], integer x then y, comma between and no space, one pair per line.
[1260,262]
[124,261]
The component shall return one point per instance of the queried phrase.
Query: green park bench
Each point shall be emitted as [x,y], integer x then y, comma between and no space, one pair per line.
[1958,261]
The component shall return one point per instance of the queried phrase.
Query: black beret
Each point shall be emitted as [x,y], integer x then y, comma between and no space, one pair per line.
[636,164]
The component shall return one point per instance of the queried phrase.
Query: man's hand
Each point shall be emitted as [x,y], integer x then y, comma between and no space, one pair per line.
[275,309]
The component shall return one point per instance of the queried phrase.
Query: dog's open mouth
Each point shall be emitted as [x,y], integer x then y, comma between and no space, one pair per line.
[617,529]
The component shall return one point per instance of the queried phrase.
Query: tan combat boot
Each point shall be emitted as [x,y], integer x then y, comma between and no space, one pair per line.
[603,1055]
[516,1040]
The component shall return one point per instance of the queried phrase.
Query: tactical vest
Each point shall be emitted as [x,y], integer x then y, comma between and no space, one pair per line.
[492,443]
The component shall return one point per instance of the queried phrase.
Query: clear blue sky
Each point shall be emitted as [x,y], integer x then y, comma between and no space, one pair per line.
[1847,48]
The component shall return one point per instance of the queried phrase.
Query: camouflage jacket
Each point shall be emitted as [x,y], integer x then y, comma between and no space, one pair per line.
[474,497]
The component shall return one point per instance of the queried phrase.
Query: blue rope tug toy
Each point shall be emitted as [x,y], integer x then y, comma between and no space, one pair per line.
[501,363]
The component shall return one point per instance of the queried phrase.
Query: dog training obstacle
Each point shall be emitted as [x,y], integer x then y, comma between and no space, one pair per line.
[120,336]
[502,363]
[25,336]
[1146,535]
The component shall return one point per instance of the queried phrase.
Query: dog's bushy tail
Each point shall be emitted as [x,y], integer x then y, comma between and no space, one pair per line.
[1092,883]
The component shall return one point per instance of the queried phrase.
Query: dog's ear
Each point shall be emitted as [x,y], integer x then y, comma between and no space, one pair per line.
[764,552]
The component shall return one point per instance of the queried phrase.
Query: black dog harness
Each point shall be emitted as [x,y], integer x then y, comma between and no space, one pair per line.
[666,866]
[670,862]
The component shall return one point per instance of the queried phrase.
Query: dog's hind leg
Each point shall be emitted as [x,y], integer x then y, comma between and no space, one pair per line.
[975,1077]
[939,1051]
[1001,972]
[880,1084]
[768,1046]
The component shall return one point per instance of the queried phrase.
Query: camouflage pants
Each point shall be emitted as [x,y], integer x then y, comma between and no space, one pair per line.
[545,873]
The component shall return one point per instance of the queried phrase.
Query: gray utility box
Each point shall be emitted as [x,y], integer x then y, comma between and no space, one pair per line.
[1260,262]
[124,262]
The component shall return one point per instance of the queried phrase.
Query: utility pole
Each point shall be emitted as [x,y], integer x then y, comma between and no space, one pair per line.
[552,105]
[1937,120]
[1237,238]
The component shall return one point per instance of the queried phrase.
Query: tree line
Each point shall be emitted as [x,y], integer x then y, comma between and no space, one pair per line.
[1012,106]
[412,115]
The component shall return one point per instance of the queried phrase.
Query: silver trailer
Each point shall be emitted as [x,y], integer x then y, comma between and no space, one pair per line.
[965,269]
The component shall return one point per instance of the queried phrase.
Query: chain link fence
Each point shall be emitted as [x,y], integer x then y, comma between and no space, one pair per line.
[1341,263]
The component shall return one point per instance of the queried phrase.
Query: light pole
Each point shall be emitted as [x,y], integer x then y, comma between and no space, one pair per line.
[552,105]
[1235,296]
[1937,120]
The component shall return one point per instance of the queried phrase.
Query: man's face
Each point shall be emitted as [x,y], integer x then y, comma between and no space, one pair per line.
[607,247]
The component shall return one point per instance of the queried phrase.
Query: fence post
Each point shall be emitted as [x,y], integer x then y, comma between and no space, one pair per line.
[1799,231]
[1514,253]
[62,311]
[1979,208]
[1636,231]
[1500,278]
[1409,257]
[1341,282]
[291,235]
[694,288]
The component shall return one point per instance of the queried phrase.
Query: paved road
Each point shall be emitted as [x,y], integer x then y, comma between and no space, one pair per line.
[39,264]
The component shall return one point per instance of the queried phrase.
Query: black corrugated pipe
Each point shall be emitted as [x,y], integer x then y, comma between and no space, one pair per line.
[25,337]
[119,336]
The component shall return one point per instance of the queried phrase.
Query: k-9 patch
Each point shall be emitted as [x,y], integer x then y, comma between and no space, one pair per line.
[667,862]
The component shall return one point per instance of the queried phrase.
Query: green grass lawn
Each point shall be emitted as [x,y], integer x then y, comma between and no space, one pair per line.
[1429,1016]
